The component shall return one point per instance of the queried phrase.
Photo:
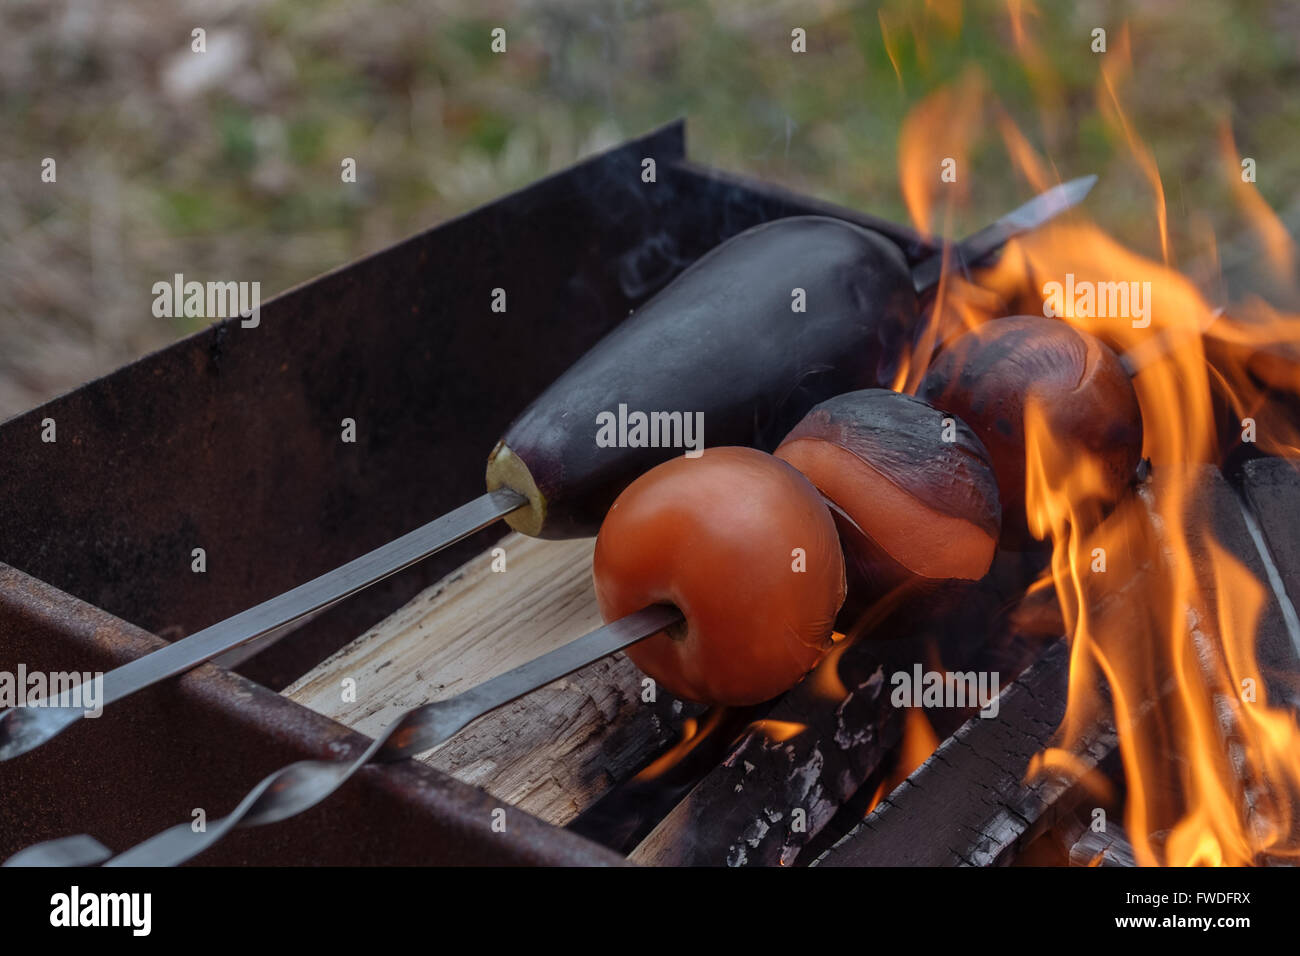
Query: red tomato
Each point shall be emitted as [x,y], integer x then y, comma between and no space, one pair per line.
[744,546]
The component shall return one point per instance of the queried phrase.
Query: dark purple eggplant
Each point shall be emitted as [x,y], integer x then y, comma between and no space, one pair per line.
[724,342]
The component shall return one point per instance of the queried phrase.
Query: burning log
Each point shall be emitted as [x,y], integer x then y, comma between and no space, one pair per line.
[623,817]
[1103,848]
[976,798]
[1242,669]
[784,780]
[984,795]
[969,800]
[1271,488]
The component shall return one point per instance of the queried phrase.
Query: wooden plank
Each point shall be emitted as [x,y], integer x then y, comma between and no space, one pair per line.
[553,752]
[969,804]
[1217,521]
[1271,488]
[1107,848]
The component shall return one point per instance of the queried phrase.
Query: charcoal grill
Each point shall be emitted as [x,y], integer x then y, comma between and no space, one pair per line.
[229,440]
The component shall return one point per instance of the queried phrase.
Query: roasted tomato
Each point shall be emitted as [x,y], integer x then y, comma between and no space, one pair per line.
[744,546]
[913,493]
[1091,425]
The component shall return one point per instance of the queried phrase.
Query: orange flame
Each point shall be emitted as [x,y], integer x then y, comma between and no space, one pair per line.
[919,742]
[888,35]
[778,731]
[1115,69]
[1176,660]
[1279,247]
[825,679]
[1154,606]
[694,733]
[934,151]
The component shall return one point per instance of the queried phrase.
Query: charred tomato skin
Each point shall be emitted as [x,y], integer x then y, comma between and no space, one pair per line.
[720,538]
[913,494]
[990,375]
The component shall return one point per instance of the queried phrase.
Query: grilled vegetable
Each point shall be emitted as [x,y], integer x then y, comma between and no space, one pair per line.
[744,546]
[723,346]
[991,375]
[913,493]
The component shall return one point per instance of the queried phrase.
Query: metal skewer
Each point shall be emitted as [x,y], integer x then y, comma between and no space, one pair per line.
[26,728]
[300,786]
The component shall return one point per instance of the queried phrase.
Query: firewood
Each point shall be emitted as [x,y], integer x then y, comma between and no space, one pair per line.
[972,800]
[551,753]
[968,804]
[1109,847]
[786,777]
[1271,489]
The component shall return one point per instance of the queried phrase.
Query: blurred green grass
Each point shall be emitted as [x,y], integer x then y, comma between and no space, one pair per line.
[236,174]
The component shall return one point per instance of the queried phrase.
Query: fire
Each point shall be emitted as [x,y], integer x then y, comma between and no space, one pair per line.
[936,140]
[891,47]
[1155,608]
[825,679]
[778,731]
[694,733]
[919,742]
[1114,71]
[934,146]
[1279,248]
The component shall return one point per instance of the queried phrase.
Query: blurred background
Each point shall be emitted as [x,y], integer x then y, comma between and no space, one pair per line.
[226,164]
